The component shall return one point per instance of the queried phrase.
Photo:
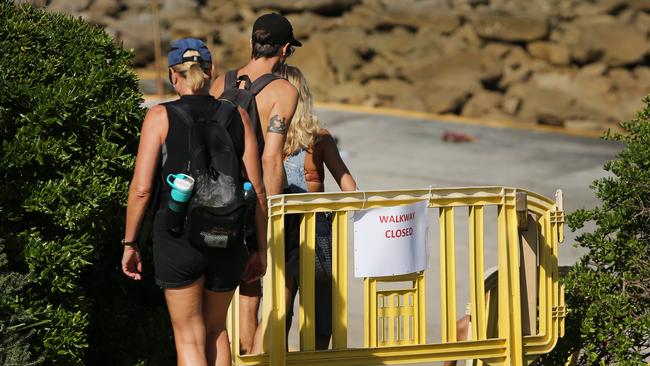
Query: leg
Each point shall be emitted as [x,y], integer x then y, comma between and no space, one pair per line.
[291,265]
[322,342]
[249,304]
[185,309]
[257,342]
[323,267]
[462,327]
[215,309]
[290,294]
[323,314]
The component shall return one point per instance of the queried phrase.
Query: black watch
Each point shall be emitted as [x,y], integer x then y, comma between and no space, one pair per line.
[133,244]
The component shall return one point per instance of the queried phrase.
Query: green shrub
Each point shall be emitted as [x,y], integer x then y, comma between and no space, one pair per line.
[69,118]
[608,290]
[14,320]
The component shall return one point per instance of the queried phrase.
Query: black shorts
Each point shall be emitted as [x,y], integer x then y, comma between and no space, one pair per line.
[178,263]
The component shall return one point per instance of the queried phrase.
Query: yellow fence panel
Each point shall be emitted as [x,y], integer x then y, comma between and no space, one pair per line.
[517,313]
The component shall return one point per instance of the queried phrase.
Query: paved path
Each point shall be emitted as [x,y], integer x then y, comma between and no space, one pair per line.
[392,152]
[389,152]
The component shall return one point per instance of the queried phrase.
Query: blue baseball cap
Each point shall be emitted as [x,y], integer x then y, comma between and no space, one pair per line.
[179,47]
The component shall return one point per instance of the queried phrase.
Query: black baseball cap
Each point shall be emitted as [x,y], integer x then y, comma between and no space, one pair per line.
[278,27]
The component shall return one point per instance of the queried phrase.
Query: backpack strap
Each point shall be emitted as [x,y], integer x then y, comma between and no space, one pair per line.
[227,114]
[262,82]
[246,80]
[231,80]
[182,113]
[224,113]
[188,120]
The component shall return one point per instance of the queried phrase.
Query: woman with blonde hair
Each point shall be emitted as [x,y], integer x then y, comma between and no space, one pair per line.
[198,279]
[310,147]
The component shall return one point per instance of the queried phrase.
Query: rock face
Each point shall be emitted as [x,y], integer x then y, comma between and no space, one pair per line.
[576,63]
[607,39]
[508,27]
[335,6]
[69,6]
[555,53]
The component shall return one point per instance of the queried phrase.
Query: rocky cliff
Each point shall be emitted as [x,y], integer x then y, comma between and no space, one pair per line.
[575,63]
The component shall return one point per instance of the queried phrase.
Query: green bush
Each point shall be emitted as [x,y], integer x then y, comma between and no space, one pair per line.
[69,118]
[608,290]
[14,336]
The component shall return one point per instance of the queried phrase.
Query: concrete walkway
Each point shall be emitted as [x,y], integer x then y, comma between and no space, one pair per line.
[391,152]
[388,152]
[395,152]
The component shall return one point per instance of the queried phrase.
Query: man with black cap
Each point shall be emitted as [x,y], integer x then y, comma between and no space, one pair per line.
[274,102]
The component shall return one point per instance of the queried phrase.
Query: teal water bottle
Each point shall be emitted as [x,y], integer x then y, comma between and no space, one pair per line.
[250,197]
[182,186]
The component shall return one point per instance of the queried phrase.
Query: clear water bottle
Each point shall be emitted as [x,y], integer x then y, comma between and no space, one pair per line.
[250,197]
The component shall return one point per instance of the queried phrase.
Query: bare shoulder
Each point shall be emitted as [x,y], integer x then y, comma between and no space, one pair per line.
[283,87]
[244,115]
[278,98]
[155,122]
[326,136]
[284,84]
[157,112]
[216,88]
[326,141]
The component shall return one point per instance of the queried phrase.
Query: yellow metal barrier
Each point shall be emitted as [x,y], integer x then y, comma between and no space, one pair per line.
[395,317]
[529,308]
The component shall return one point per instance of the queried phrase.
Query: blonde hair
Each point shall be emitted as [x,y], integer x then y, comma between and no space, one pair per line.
[305,129]
[195,73]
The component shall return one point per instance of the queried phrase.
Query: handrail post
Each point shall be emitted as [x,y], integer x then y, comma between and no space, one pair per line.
[340,280]
[509,294]
[421,337]
[516,343]
[307,282]
[528,266]
[521,205]
[447,275]
[477,294]
[275,337]
[528,274]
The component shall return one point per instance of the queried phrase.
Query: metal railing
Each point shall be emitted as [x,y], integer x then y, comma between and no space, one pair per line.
[527,321]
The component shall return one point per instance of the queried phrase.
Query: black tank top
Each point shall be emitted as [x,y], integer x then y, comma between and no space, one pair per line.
[174,152]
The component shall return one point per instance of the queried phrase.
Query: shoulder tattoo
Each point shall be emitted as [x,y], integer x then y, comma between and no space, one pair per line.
[277,125]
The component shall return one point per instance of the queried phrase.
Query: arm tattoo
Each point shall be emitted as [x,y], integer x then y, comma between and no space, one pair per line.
[277,125]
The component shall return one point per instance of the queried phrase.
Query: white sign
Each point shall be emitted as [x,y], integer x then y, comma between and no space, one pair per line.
[390,241]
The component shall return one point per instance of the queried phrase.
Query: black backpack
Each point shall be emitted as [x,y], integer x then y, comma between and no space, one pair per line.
[216,211]
[245,97]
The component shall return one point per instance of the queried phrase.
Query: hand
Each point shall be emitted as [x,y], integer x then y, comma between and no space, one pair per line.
[132,263]
[255,267]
